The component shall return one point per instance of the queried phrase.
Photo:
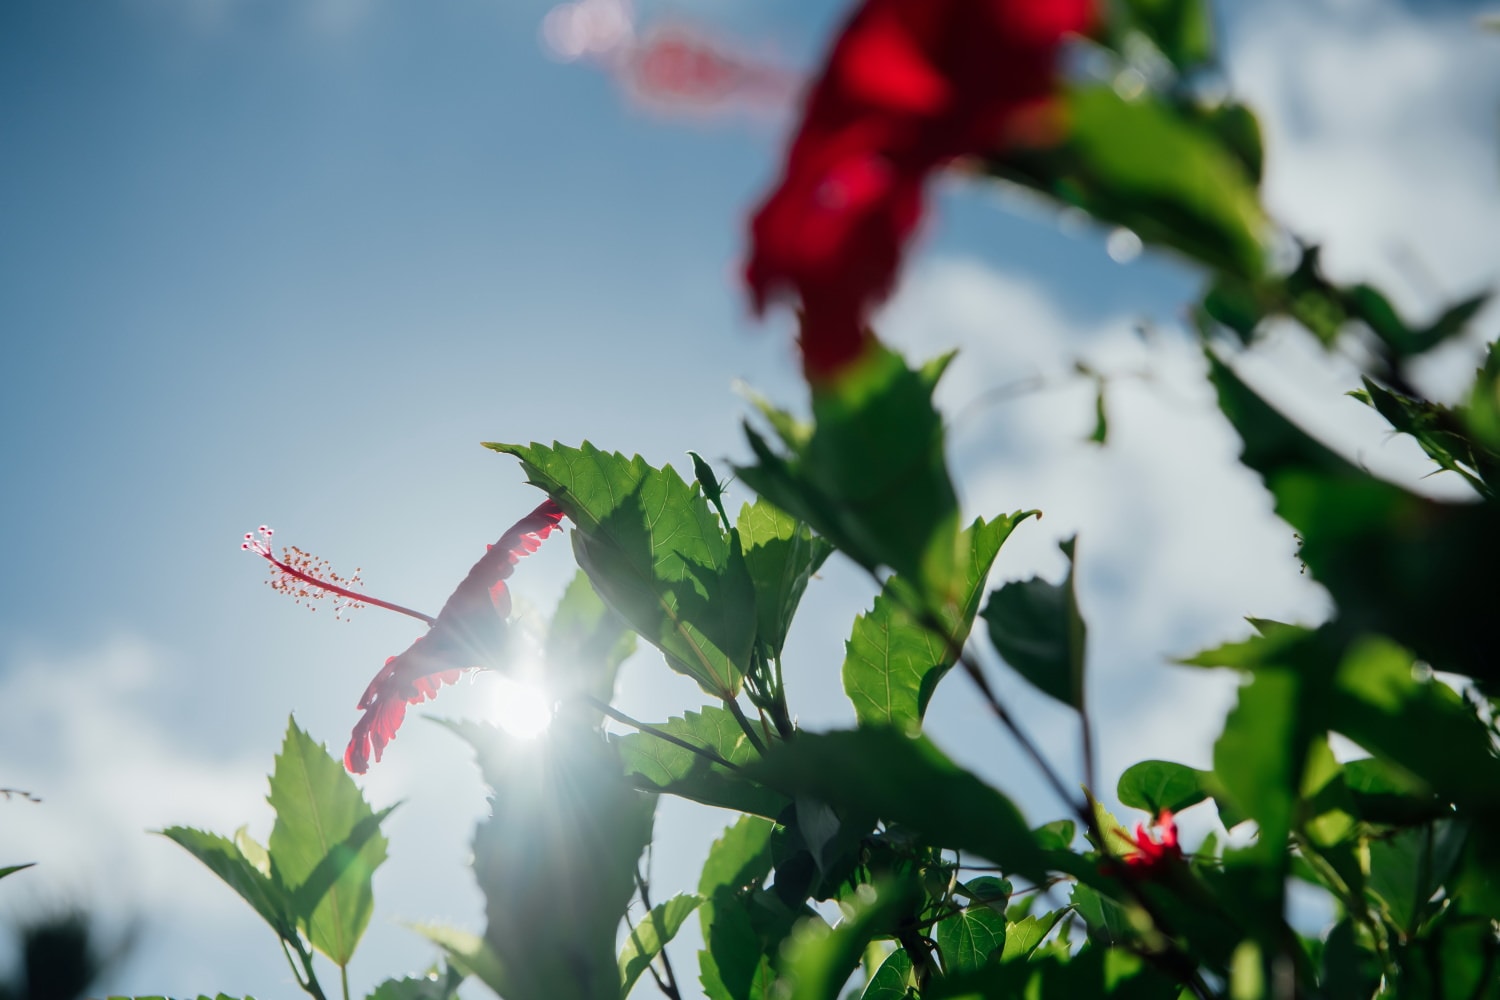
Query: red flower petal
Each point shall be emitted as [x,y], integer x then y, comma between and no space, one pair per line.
[466,633]
[909,85]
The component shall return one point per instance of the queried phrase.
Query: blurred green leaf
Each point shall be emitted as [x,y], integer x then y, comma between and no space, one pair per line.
[1036,627]
[586,643]
[651,935]
[781,555]
[1440,433]
[1394,562]
[741,932]
[556,860]
[906,780]
[656,554]
[1167,176]
[325,844]
[466,952]
[429,987]
[1408,867]
[1158,785]
[1181,29]
[658,765]
[739,858]
[892,661]
[1384,793]
[265,893]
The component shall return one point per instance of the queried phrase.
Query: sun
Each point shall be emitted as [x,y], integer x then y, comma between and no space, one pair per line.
[521,708]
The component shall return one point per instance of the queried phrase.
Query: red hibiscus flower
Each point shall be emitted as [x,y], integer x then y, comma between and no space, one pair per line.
[909,85]
[468,632]
[1152,855]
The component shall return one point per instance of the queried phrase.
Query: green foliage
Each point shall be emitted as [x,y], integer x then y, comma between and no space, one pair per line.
[1037,628]
[782,555]
[894,659]
[653,549]
[325,844]
[1160,785]
[657,765]
[556,860]
[434,986]
[648,938]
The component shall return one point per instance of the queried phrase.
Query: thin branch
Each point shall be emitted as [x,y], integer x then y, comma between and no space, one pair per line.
[670,987]
[739,716]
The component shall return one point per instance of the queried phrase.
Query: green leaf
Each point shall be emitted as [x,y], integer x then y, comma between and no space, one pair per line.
[1024,936]
[1160,785]
[1394,562]
[1056,836]
[325,844]
[556,860]
[970,938]
[651,935]
[1036,627]
[741,857]
[1440,433]
[265,893]
[586,643]
[893,980]
[656,554]
[468,953]
[1384,793]
[1108,922]
[892,661]
[1181,29]
[1408,868]
[871,476]
[429,987]
[1174,179]
[781,555]
[657,765]
[736,964]
[820,959]
[12,869]
[905,780]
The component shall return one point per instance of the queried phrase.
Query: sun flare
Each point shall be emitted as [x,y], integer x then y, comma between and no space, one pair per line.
[522,709]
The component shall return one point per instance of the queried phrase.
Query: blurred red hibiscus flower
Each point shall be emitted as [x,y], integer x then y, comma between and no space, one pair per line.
[908,86]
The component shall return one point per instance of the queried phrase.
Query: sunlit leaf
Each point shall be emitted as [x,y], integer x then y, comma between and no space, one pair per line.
[325,844]
[651,935]
[970,938]
[658,765]
[781,554]
[1023,936]
[656,553]
[265,893]
[1157,785]
[893,980]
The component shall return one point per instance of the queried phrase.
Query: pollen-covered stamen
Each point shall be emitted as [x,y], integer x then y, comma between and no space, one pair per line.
[308,579]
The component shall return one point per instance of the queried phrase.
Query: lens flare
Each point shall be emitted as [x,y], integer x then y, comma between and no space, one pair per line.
[522,709]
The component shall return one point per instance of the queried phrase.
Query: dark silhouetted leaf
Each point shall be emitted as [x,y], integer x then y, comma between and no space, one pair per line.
[1036,627]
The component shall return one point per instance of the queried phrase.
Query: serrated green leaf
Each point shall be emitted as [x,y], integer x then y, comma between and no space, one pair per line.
[657,765]
[586,643]
[651,935]
[656,554]
[1157,785]
[892,661]
[556,860]
[429,987]
[325,844]
[739,858]
[1036,627]
[1025,935]
[871,476]
[265,893]
[970,938]
[905,780]
[782,555]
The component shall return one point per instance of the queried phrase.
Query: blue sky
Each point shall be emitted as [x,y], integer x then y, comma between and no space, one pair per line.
[288,263]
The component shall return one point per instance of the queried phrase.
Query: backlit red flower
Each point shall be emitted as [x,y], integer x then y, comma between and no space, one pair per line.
[1152,855]
[468,632]
[908,86]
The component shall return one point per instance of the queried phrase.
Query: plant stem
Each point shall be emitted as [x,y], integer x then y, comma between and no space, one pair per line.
[670,986]
[706,753]
[344,980]
[739,716]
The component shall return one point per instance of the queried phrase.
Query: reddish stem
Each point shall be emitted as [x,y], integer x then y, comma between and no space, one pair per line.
[343,592]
